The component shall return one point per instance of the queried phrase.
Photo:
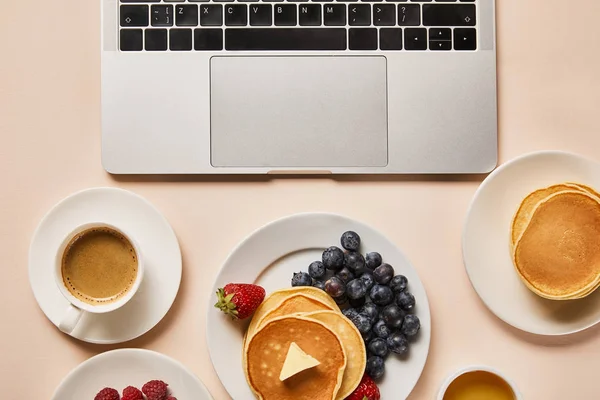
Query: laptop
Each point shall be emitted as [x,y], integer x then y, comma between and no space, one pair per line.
[298,86]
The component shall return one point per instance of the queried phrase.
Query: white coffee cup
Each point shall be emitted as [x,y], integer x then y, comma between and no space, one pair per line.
[77,307]
[475,368]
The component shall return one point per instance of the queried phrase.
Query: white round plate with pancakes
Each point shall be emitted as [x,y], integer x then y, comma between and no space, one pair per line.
[270,256]
[158,245]
[121,368]
[486,244]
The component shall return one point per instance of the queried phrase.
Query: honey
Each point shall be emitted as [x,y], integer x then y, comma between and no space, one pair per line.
[478,385]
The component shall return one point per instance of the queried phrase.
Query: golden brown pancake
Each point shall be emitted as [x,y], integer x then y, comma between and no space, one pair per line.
[558,253]
[353,345]
[525,211]
[267,351]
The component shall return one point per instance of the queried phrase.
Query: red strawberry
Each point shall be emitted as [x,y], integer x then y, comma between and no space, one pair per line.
[366,390]
[239,300]
[132,393]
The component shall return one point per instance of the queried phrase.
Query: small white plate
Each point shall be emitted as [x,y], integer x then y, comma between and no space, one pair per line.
[129,367]
[270,255]
[486,237]
[158,245]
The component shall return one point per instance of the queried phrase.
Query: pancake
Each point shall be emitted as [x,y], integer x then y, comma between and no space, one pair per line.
[353,345]
[525,211]
[558,253]
[267,351]
[275,299]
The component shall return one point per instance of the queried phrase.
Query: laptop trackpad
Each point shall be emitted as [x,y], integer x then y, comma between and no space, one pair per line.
[298,112]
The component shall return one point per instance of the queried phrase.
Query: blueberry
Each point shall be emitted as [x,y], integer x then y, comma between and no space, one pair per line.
[393,315]
[357,303]
[345,275]
[381,295]
[375,367]
[362,323]
[373,260]
[333,258]
[350,312]
[316,269]
[397,343]
[319,285]
[405,300]
[355,263]
[335,287]
[356,289]
[378,347]
[381,329]
[367,337]
[371,311]
[301,279]
[411,325]
[342,300]
[398,283]
[383,274]
[350,241]
[367,278]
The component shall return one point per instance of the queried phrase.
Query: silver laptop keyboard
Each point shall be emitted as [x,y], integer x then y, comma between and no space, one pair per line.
[297,25]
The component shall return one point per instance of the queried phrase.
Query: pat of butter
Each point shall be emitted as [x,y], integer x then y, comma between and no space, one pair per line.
[296,361]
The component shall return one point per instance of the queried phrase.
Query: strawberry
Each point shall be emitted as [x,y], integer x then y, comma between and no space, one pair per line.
[239,300]
[366,390]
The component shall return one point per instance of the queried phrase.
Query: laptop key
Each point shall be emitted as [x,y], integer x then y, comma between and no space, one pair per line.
[155,39]
[334,14]
[362,39]
[438,45]
[186,15]
[134,15]
[206,39]
[409,14]
[161,15]
[390,38]
[180,39]
[440,34]
[236,15]
[265,39]
[415,39]
[285,15]
[359,15]
[449,14]
[465,39]
[131,40]
[211,15]
[309,14]
[384,14]
[261,15]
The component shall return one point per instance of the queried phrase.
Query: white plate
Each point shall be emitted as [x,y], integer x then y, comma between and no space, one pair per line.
[270,255]
[158,245]
[486,237]
[129,367]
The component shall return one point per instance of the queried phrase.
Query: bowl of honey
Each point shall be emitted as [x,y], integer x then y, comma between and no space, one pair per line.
[477,383]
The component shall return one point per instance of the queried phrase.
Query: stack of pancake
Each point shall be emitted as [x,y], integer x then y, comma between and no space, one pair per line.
[307,320]
[555,241]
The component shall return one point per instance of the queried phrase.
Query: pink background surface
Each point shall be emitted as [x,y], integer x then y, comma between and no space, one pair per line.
[549,98]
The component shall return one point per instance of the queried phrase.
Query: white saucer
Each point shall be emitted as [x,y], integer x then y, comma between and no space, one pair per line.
[486,237]
[158,245]
[129,367]
[270,255]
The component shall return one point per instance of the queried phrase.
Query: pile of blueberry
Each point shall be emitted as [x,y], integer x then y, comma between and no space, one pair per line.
[371,296]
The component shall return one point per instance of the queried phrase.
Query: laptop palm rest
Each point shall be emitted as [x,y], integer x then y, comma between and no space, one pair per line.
[297,112]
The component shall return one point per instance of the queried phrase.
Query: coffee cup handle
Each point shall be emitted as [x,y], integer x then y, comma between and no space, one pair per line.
[70,320]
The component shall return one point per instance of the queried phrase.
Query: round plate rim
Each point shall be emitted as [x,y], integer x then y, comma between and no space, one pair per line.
[476,196]
[302,215]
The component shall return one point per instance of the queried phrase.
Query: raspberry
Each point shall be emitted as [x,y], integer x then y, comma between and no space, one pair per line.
[107,394]
[155,390]
[171,398]
[132,393]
